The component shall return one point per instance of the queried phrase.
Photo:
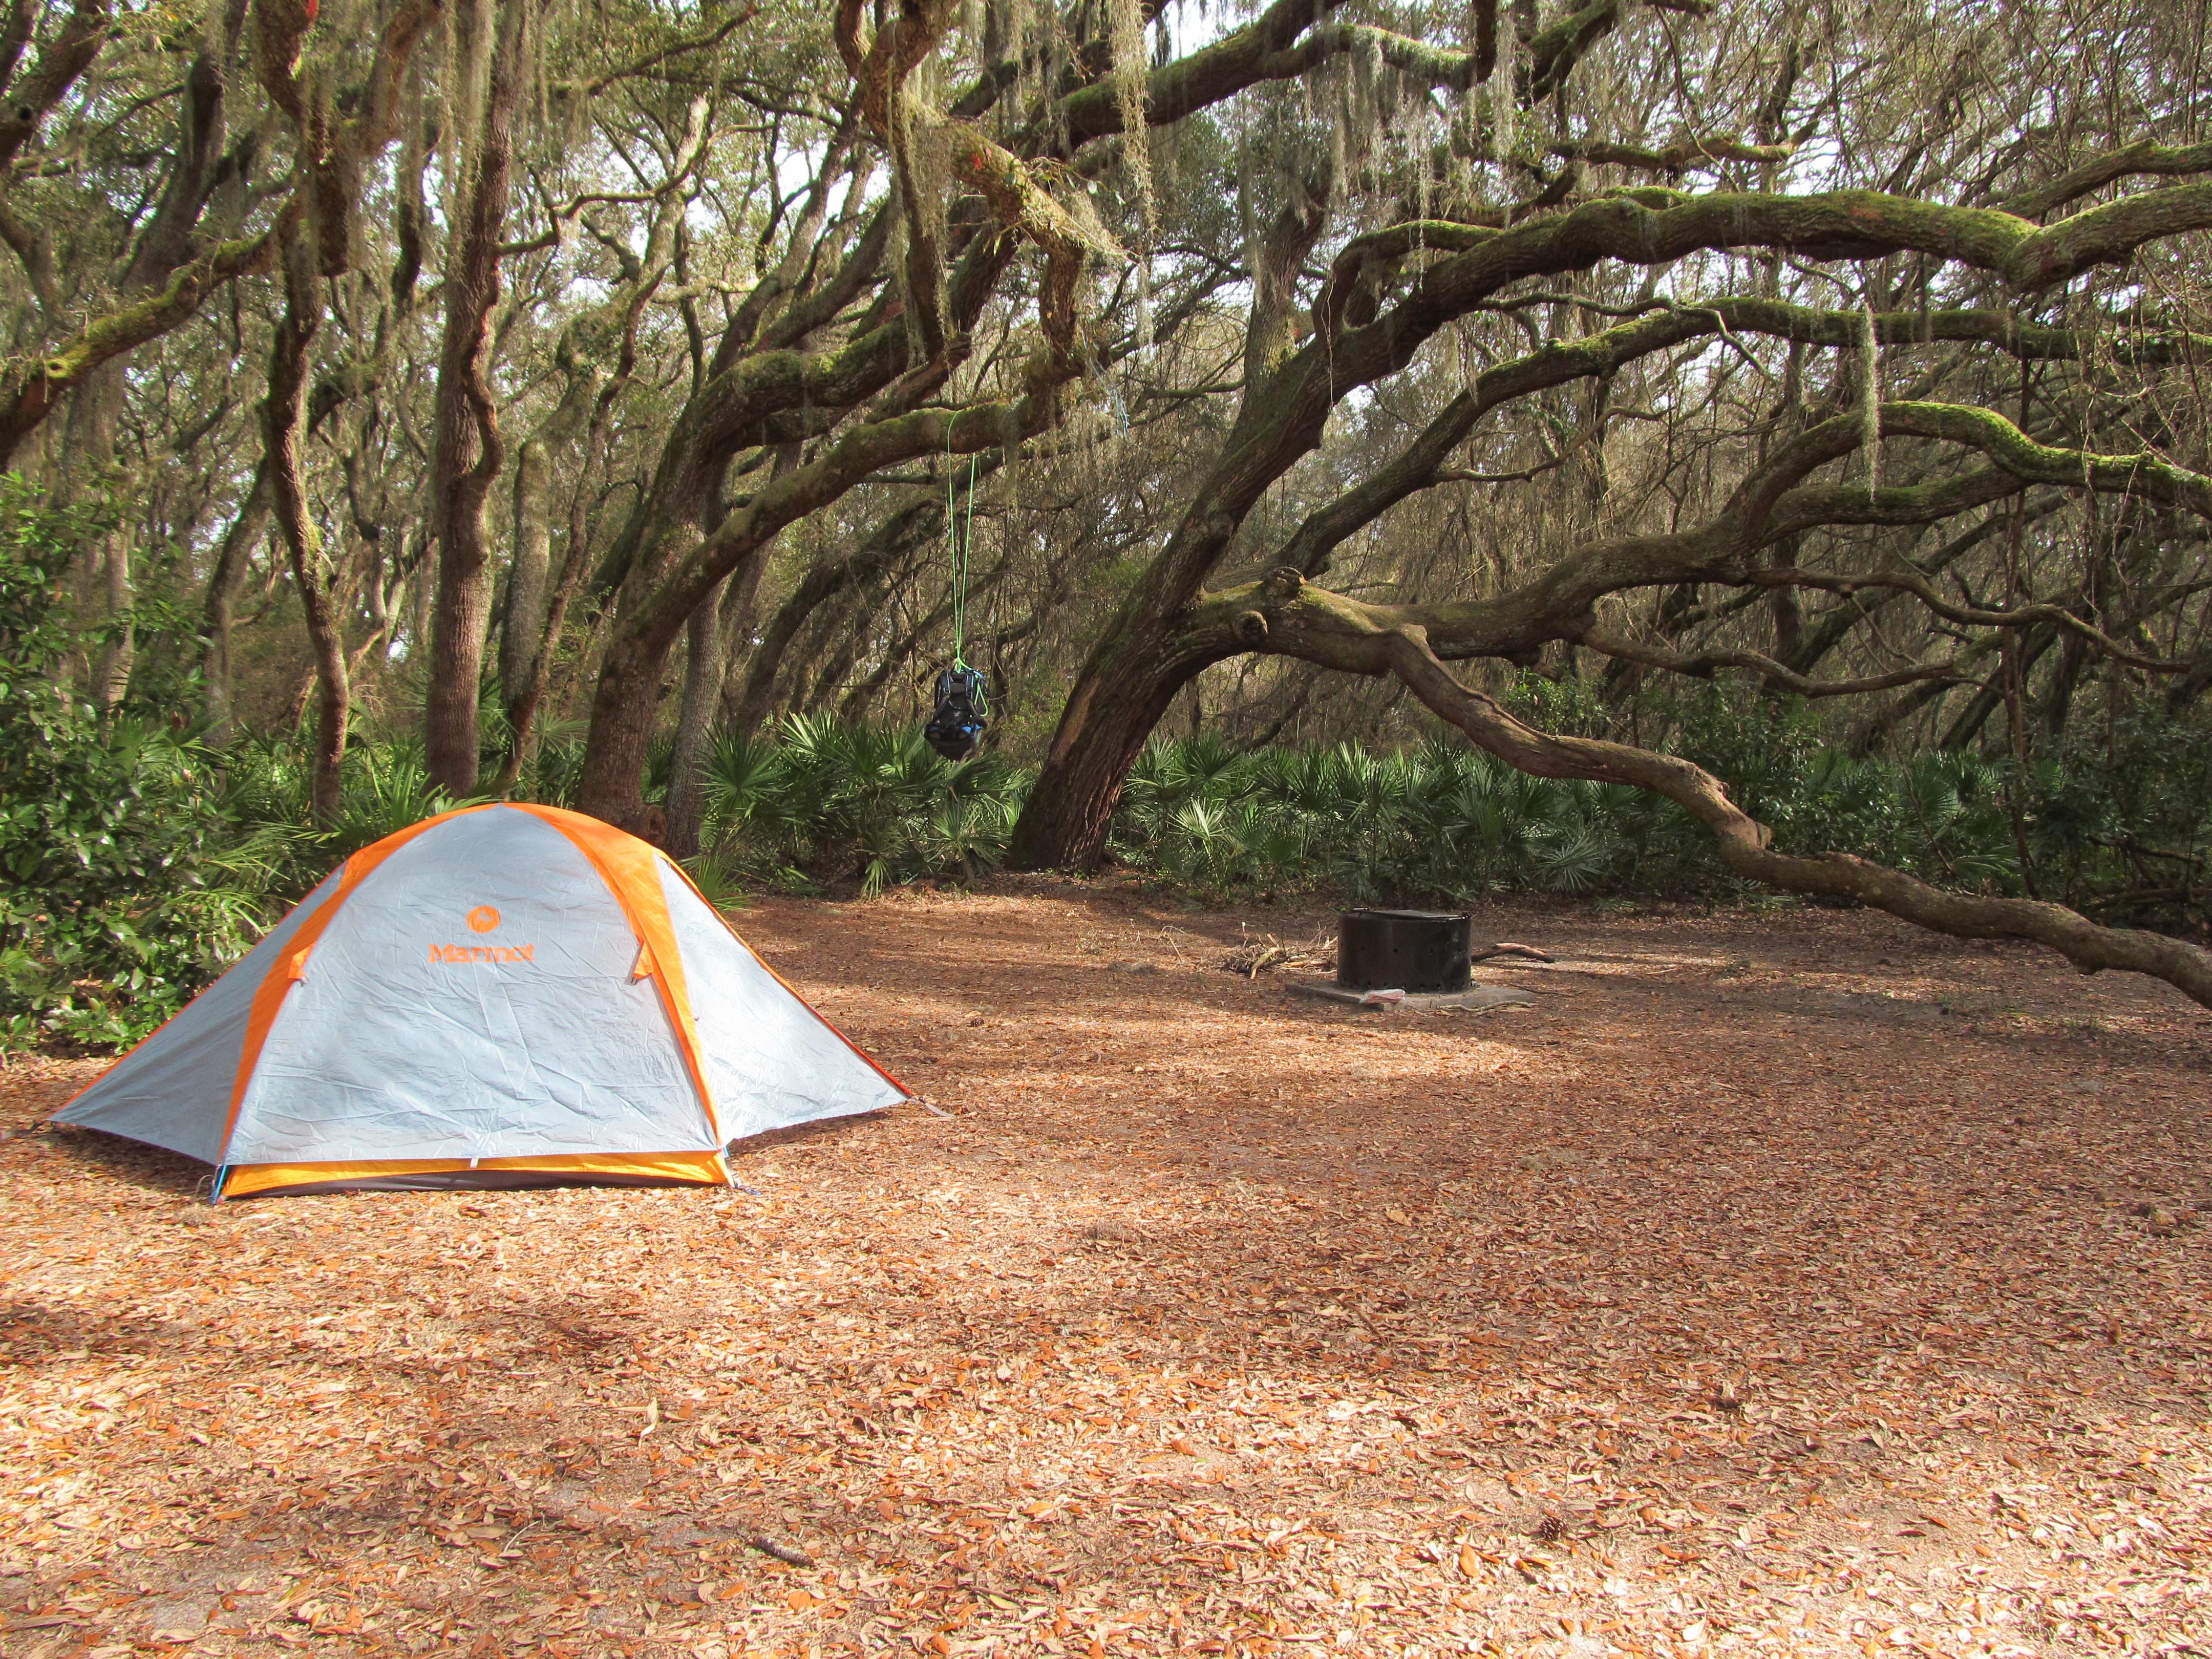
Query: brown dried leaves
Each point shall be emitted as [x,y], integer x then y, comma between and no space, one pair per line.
[1739,1295]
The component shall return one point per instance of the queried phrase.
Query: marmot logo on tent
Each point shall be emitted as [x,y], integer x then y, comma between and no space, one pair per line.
[482,919]
[484,953]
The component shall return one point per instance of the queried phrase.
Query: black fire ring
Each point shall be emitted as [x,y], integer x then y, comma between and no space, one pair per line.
[1420,950]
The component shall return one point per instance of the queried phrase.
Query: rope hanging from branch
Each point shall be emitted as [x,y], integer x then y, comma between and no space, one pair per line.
[955,729]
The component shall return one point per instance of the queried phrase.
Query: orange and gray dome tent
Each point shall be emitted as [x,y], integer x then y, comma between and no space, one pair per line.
[505,995]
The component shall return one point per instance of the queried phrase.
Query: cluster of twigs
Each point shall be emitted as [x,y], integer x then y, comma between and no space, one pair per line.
[1254,956]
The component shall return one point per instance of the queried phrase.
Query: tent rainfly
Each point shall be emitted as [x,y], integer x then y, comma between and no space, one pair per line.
[506,995]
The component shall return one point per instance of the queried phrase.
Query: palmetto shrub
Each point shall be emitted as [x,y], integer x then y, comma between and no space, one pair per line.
[815,802]
[136,862]
[819,800]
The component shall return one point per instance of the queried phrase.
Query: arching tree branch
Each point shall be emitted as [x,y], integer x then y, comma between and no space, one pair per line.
[1705,664]
[1342,634]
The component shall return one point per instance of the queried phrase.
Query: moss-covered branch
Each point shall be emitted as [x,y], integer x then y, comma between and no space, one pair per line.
[2144,156]
[1265,49]
[2146,475]
[39,386]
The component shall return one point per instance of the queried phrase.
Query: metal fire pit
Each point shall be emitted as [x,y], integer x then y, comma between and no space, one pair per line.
[1410,951]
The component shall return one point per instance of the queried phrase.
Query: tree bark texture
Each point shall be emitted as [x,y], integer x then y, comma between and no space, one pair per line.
[522,629]
[284,416]
[1125,691]
[705,666]
[469,453]
[525,701]
[233,561]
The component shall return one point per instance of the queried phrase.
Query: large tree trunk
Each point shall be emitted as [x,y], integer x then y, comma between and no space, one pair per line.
[525,701]
[1141,661]
[469,452]
[706,666]
[1124,691]
[164,245]
[95,414]
[522,629]
[623,704]
[119,653]
[285,423]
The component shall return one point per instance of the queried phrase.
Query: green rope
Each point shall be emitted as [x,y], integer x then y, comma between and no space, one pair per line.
[963,551]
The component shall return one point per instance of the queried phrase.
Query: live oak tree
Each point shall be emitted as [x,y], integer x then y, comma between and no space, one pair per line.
[1295,367]
[2069,277]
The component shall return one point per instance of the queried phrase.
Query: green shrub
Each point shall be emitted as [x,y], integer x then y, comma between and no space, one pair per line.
[823,800]
[135,864]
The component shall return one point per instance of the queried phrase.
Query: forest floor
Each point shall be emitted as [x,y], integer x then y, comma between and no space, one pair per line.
[1781,1282]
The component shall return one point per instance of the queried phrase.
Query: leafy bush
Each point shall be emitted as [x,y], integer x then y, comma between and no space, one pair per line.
[824,800]
[136,863]
[2122,829]
[1439,822]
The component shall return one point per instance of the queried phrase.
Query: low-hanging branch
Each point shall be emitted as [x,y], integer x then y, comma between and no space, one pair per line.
[2026,616]
[1345,635]
[1705,664]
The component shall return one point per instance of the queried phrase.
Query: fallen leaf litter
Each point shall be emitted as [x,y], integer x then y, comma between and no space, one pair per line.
[1796,1284]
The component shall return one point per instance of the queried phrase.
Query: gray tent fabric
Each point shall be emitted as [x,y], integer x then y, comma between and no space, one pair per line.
[510,984]
[770,1060]
[173,1090]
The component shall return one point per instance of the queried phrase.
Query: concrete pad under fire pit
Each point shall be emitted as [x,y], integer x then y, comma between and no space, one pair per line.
[1475,999]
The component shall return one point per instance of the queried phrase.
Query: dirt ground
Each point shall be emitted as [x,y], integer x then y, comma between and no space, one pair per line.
[1784,1283]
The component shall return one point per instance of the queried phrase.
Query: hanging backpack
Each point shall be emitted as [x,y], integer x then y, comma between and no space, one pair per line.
[956,728]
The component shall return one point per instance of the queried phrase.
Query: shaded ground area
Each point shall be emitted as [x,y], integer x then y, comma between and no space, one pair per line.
[1793,1283]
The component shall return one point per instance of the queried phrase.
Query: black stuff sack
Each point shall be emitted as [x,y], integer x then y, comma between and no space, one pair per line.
[955,729]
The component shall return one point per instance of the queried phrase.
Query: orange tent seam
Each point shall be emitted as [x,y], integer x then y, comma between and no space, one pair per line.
[705,1168]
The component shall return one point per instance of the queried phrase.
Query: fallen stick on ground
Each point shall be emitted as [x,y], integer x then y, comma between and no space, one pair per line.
[1507,948]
